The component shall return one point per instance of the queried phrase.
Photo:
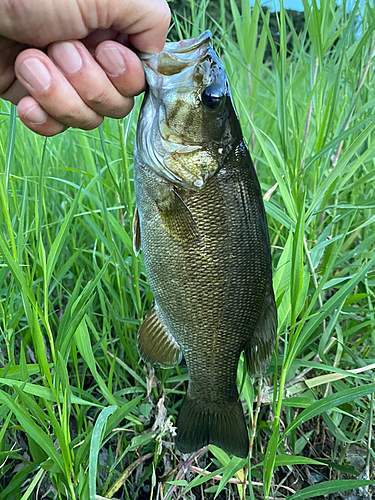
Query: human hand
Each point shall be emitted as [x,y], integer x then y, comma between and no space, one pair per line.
[78,68]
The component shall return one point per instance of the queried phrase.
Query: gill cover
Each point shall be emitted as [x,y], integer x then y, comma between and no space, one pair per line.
[185,126]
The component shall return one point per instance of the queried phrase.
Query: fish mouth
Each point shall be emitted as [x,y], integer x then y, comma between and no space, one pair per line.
[185,46]
[177,56]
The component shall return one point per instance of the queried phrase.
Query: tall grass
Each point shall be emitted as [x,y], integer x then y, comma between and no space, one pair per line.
[80,414]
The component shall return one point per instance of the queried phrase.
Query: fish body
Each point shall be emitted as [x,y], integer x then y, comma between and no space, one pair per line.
[203,232]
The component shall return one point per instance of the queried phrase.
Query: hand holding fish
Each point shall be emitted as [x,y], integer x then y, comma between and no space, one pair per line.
[67,64]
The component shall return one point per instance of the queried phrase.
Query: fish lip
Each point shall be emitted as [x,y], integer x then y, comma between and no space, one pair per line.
[180,55]
[181,47]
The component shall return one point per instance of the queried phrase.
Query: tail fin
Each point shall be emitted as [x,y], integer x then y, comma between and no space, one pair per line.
[222,425]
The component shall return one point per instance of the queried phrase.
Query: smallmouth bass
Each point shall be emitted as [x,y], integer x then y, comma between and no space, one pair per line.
[202,228]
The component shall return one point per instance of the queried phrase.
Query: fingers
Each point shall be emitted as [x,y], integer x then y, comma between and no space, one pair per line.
[35,118]
[49,87]
[122,66]
[119,65]
[71,89]
[75,86]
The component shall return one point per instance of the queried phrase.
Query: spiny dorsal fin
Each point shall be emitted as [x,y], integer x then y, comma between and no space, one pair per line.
[136,232]
[178,219]
[156,344]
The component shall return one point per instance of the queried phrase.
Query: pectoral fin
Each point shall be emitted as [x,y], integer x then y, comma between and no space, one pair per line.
[136,232]
[178,219]
[156,344]
[260,346]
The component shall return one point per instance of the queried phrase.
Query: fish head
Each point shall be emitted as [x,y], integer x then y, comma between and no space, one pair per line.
[187,123]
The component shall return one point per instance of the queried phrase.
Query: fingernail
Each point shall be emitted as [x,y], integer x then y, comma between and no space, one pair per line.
[35,73]
[36,115]
[110,58]
[67,57]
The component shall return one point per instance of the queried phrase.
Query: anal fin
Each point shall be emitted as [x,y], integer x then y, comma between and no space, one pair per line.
[156,344]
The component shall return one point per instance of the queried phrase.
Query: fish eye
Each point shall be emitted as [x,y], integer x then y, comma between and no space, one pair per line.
[211,96]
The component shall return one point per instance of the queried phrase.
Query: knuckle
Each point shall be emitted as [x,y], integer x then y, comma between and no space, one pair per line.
[97,98]
[108,105]
[66,116]
[77,119]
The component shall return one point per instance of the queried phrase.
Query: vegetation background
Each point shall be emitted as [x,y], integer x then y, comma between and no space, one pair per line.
[80,414]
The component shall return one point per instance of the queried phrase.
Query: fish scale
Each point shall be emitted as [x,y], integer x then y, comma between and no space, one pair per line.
[205,243]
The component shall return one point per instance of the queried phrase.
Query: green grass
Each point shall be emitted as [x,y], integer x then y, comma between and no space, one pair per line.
[77,406]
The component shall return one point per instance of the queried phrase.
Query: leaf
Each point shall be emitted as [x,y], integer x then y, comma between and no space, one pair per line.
[178,482]
[75,313]
[32,485]
[233,466]
[301,442]
[281,278]
[31,428]
[15,485]
[317,251]
[287,460]
[297,264]
[329,307]
[135,443]
[96,440]
[140,440]
[220,455]
[271,152]
[269,460]
[203,478]
[26,291]
[335,281]
[120,413]
[328,403]
[273,211]
[44,392]
[60,239]
[82,338]
[329,487]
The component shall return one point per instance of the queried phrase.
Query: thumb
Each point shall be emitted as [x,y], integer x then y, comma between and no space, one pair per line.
[146,22]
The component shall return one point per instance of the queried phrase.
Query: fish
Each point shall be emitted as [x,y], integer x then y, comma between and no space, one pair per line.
[201,225]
